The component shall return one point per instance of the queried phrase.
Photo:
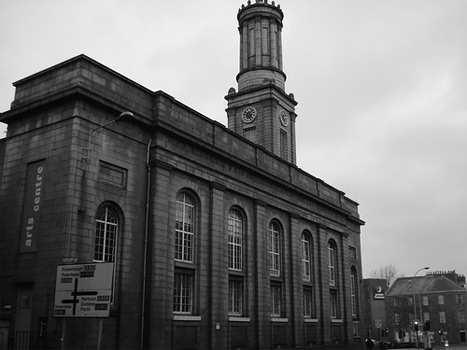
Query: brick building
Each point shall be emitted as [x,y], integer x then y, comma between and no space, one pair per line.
[438,298]
[216,238]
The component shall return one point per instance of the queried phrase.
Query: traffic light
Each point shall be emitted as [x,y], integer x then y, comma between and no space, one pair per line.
[387,332]
[416,325]
[427,325]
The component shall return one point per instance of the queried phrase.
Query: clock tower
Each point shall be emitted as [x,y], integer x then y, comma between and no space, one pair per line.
[261,110]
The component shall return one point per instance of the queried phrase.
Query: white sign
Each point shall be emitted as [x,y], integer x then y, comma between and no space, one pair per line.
[83,290]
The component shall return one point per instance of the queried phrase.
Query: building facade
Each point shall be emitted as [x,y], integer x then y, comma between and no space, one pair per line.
[217,240]
[436,302]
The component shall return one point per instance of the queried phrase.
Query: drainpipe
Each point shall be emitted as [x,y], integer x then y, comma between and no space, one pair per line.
[146,234]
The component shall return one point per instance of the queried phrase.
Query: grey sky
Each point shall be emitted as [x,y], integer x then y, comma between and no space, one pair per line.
[381,87]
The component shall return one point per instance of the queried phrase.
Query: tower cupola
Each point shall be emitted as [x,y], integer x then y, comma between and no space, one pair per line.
[261,110]
[260,27]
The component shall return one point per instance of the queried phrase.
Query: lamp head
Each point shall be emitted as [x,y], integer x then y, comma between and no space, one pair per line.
[125,115]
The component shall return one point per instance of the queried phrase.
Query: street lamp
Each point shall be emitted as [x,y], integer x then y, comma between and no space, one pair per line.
[415,322]
[122,116]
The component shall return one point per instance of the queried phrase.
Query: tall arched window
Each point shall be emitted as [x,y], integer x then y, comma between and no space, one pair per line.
[274,249]
[105,243]
[306,256]
[332,262]
[184,228]
[235,231]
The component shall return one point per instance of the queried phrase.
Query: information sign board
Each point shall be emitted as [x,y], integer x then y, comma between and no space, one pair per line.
[83,290]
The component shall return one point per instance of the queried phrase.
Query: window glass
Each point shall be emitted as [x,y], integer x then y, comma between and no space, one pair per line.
[235,231]
[184,228]
[105,244]
[274,249]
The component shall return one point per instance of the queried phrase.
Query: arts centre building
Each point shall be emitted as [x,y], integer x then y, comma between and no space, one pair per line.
[129,220]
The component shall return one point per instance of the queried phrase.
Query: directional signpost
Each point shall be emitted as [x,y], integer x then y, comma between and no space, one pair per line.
[83,290]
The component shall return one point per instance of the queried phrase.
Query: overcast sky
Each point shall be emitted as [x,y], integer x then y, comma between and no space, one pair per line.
[381,87]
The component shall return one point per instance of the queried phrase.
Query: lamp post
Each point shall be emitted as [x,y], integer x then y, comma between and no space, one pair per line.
[415,322]
[122,116]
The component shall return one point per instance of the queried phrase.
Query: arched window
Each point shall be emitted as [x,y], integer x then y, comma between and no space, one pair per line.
[332,262]
[184,228]
[306,256]
[105,243]
[354,291]
[274,249]
[235,231]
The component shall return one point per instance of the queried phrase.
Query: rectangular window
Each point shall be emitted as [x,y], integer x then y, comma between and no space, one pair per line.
[183,293]
[425,300]
[409,301]
[276,298]
[308,302]
[334,304]
[397,318]
[461,317]
[353,294]
[442,317]
[250,134]
[397,302]
[441,299]
[426,316]
[235,297]
[459,299]
[353,252]
[112,174]
[284,147]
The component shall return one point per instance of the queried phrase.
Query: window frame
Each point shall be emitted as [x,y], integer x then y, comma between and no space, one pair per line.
[307,257]
[185,240]
[275,246]
[235,240]
[185,292]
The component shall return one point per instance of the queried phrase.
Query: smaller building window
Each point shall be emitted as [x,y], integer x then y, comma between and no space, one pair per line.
[308,302]
[459,299]
[425,300]
[461,317]
[250,134]
[410,301]
[235,297]
[334,304]
[396,302]
[183,292]
[426,316]
[276,300]
[397,318]
[442,317]
[441,299]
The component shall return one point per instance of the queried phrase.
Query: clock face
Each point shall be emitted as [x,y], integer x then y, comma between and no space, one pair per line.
[284,118]
[249,114]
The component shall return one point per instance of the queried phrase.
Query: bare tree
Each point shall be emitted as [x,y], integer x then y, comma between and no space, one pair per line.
[390,273]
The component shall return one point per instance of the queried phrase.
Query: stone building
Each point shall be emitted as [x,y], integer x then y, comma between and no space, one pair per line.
[215,237]
[436,302]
